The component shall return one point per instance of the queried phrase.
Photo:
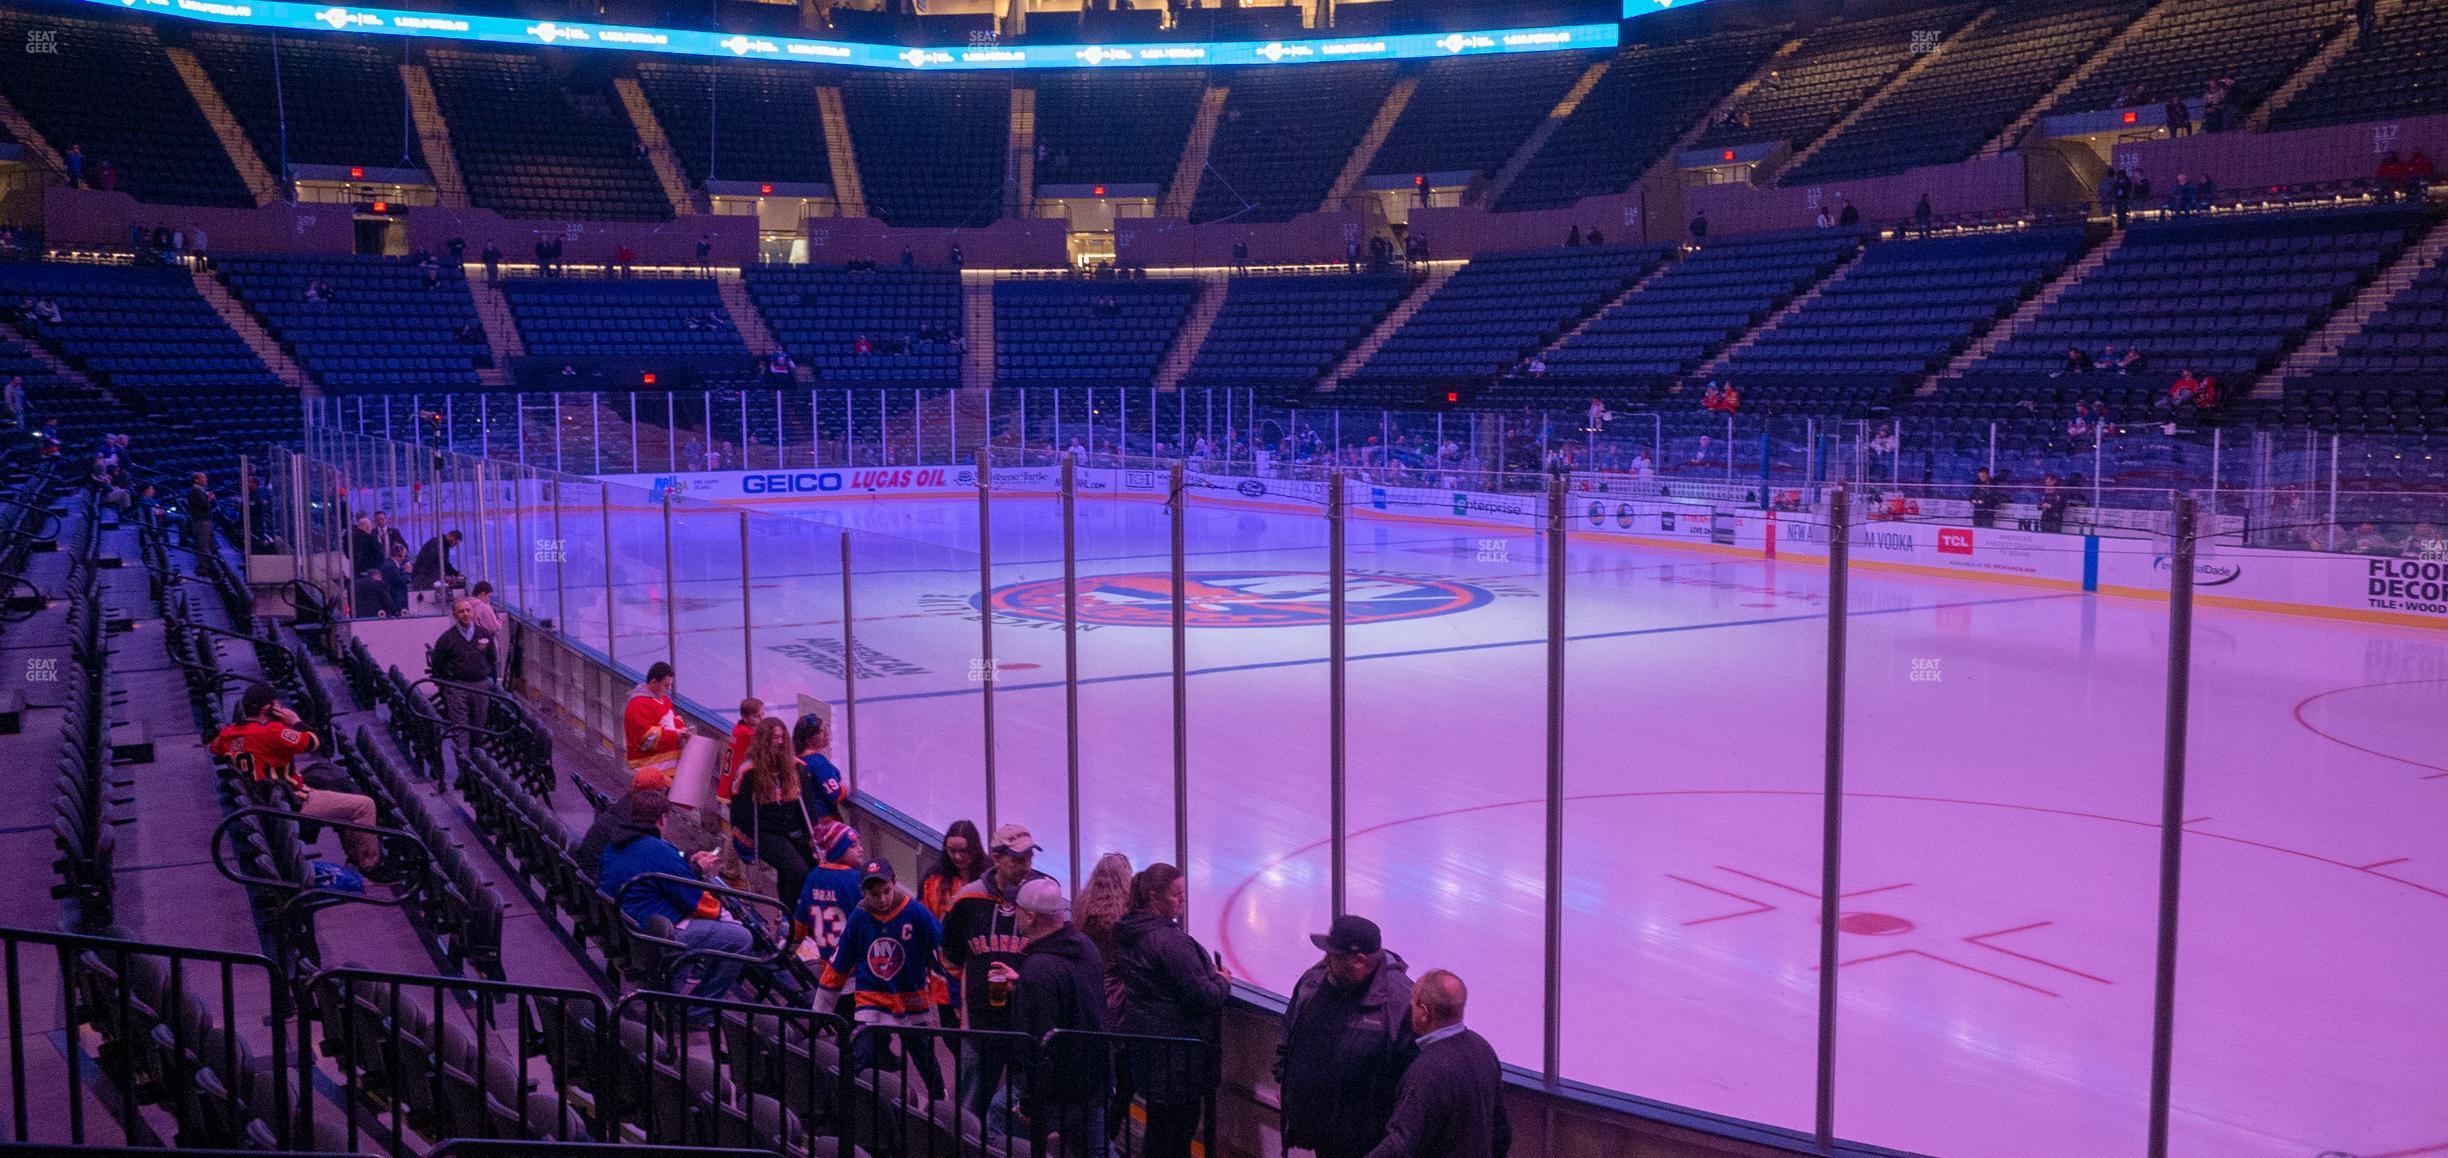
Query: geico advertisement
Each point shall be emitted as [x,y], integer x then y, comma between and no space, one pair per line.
[786,484]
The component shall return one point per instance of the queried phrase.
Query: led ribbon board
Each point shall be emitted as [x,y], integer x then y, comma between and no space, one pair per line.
[1633,9]
[281,15]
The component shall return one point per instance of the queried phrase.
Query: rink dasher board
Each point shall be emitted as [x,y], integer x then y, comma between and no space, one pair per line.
[2110,561]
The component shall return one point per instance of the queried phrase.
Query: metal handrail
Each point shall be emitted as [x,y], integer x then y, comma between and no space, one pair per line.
[301,892]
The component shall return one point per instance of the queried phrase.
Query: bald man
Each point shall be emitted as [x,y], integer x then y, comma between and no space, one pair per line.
[1451,1102]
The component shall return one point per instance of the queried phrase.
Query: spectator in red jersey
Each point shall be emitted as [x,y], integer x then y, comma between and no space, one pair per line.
[2390,178]
[651,730]
[263,744]
[2180,393]
[2419,174]
[751,711]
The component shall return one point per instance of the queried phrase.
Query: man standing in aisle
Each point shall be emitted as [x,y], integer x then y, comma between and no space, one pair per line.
[1451,1101]
[651,730]
[1346,1039]
[983,930]
[200,499]
[883,954]
[464,654]
[1060,985]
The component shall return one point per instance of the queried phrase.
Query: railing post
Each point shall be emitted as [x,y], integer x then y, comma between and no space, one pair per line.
[1336,616]
[1181,673]
[561,623]
[1552,1007]
[1070,621]
[2172,817]
[986,659]
[611,596]
[849,670]
[1831,832]
[747,618]
[671,590]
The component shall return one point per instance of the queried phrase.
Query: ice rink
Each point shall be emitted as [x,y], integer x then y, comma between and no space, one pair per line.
[2004,752]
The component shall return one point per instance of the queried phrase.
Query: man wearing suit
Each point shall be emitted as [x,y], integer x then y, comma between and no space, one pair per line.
[1451,1101]
[373,595]
[463,655]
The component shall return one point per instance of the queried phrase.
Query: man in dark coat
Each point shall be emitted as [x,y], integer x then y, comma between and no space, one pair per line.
[434,564]
[366,566]
[464,654]
[1451,1102]
[200,500]
[1060,985]
[1986,499]
[1346,1039]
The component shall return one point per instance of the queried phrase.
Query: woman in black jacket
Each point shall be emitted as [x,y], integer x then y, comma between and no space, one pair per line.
[1170,988]
[770,820]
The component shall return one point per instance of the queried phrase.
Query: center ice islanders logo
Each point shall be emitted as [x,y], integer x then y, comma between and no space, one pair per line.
[1239,599]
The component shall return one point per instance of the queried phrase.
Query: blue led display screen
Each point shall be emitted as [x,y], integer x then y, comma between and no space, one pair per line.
[283,15]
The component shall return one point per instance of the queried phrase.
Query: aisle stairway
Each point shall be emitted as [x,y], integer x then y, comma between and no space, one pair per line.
[1438,273]
[659,154]
[1998,334]
[235,315]
[260,181]
[433,136]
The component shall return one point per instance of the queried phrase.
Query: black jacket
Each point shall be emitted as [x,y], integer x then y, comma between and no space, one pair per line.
[980,929]
[1451,1104]
[365,551]
[1062,986]
[1342,1057]
[1169,989]
[458,658]
[609,825]
[433,563]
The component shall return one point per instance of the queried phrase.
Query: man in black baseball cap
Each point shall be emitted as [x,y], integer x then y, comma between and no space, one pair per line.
[263,745]
[1347,1037]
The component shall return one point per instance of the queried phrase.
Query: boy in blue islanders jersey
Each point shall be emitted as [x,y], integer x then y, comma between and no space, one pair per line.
[831,892]
[885,952]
